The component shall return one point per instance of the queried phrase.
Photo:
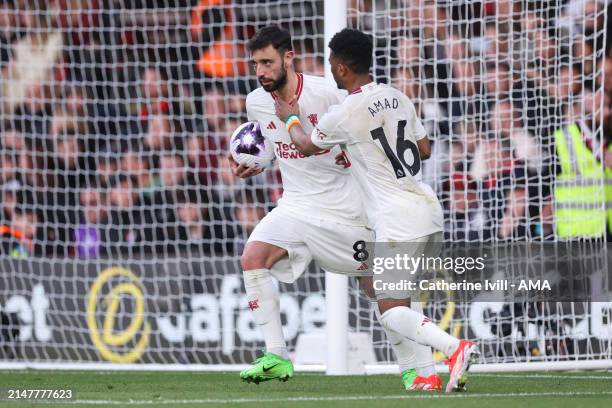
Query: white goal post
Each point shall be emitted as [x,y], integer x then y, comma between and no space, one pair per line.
[336,286]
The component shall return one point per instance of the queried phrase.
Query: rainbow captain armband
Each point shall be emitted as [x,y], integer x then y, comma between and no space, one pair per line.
[292,119]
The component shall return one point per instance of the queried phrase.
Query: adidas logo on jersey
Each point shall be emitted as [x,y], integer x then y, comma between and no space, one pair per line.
[363,267]
[271,125]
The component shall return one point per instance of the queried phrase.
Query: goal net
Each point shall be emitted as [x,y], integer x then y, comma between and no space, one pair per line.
[496,84]
[122,225]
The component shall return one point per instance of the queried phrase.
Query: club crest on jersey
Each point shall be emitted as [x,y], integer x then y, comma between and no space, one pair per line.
[313,119]
[253,304]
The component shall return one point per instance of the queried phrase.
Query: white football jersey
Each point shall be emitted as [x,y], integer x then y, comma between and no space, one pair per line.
[315,186]
[379,128]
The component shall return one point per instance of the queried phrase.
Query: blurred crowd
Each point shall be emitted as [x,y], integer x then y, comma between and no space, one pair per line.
[114,123]
[493,82]
[103,151]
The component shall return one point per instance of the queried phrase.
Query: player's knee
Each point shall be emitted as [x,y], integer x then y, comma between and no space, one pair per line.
[250,261]
[253,259]
[388,304]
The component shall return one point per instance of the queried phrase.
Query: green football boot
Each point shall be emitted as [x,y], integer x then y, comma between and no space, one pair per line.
[408,377]
[268,367]
[414,382]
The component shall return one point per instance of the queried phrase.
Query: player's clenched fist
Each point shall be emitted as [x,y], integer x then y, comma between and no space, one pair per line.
[242,170]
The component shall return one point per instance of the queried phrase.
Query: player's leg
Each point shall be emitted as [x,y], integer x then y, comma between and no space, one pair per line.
[413,325]
[272,249]
[332,246]
[402,347]
[396,315]
[262,294]
[425,362]
[415,360]
[263,300]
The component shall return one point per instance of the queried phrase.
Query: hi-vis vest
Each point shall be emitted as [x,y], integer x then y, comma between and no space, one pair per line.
[608,173]
[581,189]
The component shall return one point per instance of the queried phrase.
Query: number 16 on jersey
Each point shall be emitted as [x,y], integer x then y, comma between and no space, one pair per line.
[397,159]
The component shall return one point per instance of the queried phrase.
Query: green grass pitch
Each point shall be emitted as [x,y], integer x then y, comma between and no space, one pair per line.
[205,389]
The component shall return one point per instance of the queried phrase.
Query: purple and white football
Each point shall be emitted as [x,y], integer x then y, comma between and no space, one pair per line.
[249,146]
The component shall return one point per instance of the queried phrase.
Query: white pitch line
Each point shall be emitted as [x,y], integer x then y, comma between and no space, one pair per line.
[551,376]
[320,399]
[604,376]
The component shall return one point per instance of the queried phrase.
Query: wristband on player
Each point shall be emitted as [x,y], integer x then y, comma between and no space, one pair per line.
[291,116]
[292,120]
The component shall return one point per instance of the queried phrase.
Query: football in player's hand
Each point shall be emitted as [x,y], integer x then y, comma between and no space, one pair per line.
[248,146]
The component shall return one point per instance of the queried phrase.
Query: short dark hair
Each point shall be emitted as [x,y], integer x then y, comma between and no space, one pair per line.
[354,49]
[277,37]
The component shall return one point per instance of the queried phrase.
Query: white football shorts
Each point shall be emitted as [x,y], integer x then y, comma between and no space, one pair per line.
[330,244]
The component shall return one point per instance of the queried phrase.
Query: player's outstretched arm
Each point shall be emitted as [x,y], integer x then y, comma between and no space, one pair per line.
[289,113]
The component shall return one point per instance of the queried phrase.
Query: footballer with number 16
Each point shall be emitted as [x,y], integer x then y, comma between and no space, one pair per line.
[318,216]
[377,125]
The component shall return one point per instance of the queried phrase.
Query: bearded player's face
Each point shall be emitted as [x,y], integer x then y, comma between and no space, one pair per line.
[270,67]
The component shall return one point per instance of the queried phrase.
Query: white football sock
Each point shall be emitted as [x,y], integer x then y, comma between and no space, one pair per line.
[419,328]
[403,348]
[424,354]
[427,370]
[410,354]
[264,301]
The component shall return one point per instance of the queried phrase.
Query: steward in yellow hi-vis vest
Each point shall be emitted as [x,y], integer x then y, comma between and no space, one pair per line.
[583,188]
[608,174]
